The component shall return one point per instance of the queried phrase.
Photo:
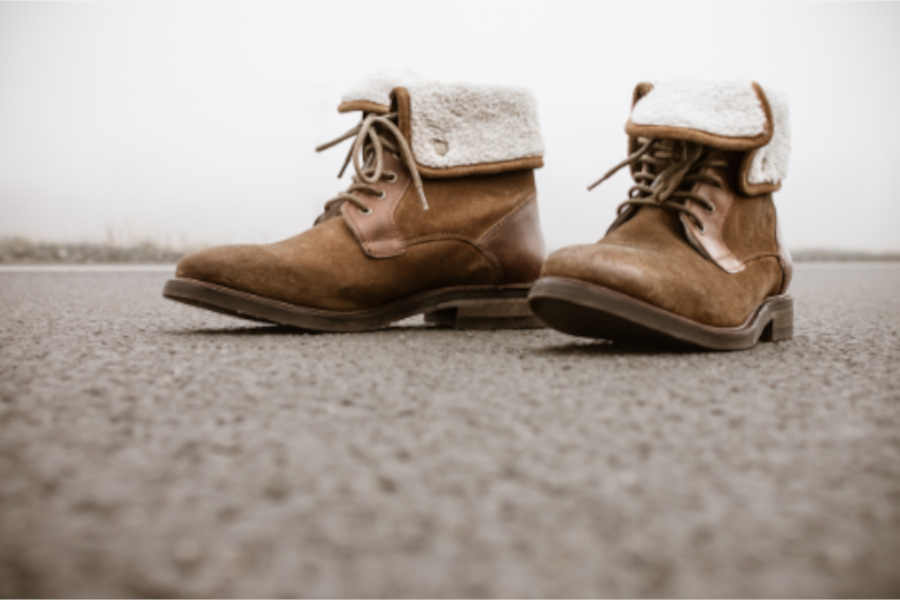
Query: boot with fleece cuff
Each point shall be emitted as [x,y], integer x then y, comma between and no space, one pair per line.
[440,219]
[694,255]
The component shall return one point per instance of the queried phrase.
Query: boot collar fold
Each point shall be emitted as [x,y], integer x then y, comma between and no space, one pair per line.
[736,116]
[456,129]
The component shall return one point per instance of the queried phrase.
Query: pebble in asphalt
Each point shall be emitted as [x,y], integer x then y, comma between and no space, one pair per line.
[150,448]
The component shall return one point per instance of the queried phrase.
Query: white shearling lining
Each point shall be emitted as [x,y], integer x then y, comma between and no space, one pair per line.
[728,108]
[377,88]
[723,108]
[770,163]
[462,124]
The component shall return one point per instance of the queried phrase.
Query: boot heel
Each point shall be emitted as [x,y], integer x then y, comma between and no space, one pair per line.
[507,313]
[781,326]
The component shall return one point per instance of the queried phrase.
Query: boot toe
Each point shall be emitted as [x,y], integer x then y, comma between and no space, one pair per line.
[621,268]
[645,275]
[267,270]
[236,267]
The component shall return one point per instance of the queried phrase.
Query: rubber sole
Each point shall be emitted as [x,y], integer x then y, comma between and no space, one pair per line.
[461,307]
[589,310]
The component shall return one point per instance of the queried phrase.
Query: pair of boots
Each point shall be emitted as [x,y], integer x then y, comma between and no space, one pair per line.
[442,219]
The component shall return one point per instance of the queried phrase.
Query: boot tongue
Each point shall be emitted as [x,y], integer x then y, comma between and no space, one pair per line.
[724,115]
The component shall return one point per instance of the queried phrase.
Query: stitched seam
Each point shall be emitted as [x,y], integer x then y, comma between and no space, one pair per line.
[484,168]
[447,237]
[759,257]
[646,130]
[494,229]
[497,228]
[400,198]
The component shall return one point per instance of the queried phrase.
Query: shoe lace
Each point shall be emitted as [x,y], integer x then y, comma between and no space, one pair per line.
[374,134]
[664,170]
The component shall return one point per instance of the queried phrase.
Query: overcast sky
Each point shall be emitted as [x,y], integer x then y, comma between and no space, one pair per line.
[195,122]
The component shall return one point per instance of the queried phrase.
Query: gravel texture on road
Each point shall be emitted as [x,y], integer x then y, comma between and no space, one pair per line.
[153,449]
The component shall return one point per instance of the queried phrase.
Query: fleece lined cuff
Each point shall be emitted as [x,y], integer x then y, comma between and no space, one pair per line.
[456,128]
[455,125]
[727,115]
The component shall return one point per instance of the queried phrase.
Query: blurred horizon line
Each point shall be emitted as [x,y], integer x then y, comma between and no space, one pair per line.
[24,250]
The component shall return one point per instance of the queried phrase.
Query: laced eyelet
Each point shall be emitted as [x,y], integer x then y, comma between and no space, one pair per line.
[366,211]
[374,136]
[711,208]
[382,194]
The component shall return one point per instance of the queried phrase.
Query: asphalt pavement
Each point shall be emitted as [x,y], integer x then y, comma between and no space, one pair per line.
[153,449]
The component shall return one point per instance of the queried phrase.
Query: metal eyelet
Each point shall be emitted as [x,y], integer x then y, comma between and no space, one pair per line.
[390,177]
[366,211]
[382,194]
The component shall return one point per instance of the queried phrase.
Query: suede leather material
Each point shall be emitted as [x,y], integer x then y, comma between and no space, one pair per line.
[324,267]
[666,271]
[649,257]
[517,244]
[740,228]
[476,232]
[465,206]
[377,231]
[476,209]
[705,229]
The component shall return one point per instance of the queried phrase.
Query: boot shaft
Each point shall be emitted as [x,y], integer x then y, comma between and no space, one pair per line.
[472,151]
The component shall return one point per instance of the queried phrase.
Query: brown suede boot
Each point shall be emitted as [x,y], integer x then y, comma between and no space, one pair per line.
[441,219]
[694,255]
